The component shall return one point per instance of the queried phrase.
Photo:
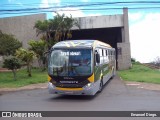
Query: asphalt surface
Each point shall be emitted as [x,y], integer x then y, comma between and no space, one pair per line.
[116,96]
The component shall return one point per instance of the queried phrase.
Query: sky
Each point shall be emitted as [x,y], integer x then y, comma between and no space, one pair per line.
[144,23]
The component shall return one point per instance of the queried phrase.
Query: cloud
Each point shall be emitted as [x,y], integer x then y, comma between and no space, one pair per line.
[44,4]
[11,1]
[145,38]
[49,3]
[17,3]
[20,4]
[75,12]
[84,0]
[135,16]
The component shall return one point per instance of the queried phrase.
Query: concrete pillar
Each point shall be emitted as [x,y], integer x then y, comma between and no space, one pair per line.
[124,57]
[126,25]
[124,52]
[123,34]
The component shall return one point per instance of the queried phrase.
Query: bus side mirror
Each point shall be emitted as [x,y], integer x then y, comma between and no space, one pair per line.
[97,58]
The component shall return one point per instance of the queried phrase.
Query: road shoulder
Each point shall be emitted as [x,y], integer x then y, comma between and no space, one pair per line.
[28,87]
[141,85]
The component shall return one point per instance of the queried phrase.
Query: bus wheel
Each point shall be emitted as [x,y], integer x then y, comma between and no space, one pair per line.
[100,86]
[113,73]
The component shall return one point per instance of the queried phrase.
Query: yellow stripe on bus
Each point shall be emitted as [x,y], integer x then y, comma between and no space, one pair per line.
[91,79]
[49,78]
[101,75]
[69,89]
[74,45]
[67,44]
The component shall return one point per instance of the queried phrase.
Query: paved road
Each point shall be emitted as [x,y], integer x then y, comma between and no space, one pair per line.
[116,96]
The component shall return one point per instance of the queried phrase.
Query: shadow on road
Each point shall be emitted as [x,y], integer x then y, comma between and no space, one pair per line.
[72,97]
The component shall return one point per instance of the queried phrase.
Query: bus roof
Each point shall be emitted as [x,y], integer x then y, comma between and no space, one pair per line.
[81,43]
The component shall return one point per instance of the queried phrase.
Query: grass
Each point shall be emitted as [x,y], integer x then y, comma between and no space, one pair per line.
[140,73]
[7,81]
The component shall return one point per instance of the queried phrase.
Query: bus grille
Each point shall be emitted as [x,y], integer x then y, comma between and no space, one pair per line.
[79,85]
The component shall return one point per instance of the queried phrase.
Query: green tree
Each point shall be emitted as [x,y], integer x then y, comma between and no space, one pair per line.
[63,30]
[8,44]
[42,27]
[39,47]
[12,64]
[56,29]
[26,56]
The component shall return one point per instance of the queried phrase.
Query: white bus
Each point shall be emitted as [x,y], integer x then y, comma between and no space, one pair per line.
[80,67]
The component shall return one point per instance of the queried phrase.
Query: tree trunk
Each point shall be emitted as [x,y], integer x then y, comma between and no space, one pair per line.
[14,74]
[30,74]
[44,64]
[40,62]
[64,35]
[29,70]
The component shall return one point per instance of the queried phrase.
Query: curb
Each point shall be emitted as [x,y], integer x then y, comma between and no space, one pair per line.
[28,87]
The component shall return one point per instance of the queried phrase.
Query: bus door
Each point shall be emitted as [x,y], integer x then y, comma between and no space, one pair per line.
[97,65]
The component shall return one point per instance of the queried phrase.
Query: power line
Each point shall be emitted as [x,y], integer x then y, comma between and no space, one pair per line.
[80,4]
[92,9]
[48,8]
[93,3]
[95,6]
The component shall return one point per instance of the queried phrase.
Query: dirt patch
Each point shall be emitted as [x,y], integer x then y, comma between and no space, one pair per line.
[28,87]
[5,70]
[148,86]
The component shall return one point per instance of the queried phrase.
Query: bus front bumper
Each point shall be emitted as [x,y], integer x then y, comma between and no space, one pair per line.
[89,89]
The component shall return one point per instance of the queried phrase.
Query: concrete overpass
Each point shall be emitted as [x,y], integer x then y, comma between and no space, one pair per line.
[112,29]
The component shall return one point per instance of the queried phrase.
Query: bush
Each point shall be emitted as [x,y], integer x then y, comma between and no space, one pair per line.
[133,60]
[26,56]
[8,44]
[39,48]
[12,64]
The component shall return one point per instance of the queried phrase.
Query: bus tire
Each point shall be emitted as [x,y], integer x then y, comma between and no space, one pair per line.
[100,86]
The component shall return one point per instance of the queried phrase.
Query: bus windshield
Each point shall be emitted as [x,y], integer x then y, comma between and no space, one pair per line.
[70,62]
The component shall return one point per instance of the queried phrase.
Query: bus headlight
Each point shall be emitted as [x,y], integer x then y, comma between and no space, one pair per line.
[89,84]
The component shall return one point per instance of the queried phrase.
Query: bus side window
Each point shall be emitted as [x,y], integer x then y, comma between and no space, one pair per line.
[101,55]
[104,55]
[97,57]
[113,55]
[106,52]
[110,55]
[107,55]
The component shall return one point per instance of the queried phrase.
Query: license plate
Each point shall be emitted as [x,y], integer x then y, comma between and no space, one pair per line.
[69,92]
